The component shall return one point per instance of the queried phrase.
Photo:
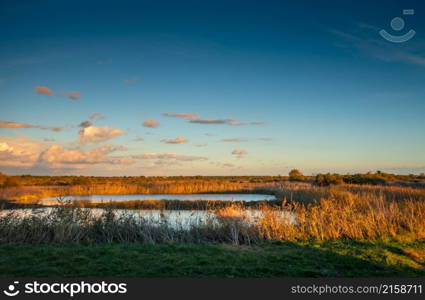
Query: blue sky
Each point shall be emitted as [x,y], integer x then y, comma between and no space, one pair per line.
[258,87]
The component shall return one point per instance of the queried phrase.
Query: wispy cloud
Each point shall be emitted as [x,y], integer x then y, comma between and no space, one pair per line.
[194,118]
[48,140]
[151,124]
[238,140]
[169,156]
[211,121]
[231,122]
[74,95]
[177,140]
[132,80]
[139,139]
[234,123]
[239,153]
[368,41]
[43,90]
[228,165]
[181,115]
[233,140]
[71,95]
[85,124]
[96,116]
[7,124]
[104,61]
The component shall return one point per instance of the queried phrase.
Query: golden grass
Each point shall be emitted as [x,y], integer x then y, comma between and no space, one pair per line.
[305,212]
[342,215]
[417,255]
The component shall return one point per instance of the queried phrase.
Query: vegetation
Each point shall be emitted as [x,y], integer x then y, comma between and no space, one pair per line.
[148,182]
[328,179]
[336,258]
[296,175]
[325,227]
[356,215]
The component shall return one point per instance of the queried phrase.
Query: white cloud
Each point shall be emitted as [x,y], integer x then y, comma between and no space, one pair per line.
[56,156]
[93,134]
[20,152]
[25,153]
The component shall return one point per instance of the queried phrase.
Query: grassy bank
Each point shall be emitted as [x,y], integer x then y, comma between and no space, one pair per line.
[311,259]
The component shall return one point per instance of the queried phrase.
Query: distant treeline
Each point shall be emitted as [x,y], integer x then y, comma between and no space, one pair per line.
[377,178]
[30,180]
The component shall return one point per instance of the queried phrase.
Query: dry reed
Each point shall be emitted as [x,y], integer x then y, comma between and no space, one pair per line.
[366,215]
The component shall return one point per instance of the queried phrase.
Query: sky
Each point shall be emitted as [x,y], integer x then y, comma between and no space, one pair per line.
[163,88]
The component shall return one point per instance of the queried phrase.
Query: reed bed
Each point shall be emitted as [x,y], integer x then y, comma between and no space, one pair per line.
[171,204]
[31,194]
[301,192]
[342,214]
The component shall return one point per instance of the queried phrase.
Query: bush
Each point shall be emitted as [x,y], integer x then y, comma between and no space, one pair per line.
[9,181]
[296,175]
[378,178]
[328,179]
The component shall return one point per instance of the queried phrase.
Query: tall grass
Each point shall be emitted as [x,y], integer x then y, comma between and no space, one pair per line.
[341,215]
[291,191]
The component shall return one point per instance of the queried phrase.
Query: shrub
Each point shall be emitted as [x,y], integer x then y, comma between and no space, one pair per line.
[9,181]
[328,179]
[296,175]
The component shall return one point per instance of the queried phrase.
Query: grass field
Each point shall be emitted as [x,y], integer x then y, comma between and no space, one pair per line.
[310,230]
[278,259]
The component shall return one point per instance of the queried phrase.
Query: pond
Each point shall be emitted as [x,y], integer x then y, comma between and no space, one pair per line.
[205,197]
[177,219]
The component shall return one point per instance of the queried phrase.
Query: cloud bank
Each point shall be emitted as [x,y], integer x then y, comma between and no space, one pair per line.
[8,124]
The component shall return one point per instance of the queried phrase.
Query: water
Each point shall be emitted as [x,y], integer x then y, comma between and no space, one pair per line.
[183,219]
[177,219]
[204,197]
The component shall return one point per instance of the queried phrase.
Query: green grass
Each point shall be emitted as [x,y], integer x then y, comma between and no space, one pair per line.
[326,259]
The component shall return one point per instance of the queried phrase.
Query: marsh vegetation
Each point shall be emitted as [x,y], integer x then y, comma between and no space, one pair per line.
[302,212]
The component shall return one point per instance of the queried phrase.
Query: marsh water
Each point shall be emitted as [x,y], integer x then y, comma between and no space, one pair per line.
[206,197]
[174,218]
[178,219]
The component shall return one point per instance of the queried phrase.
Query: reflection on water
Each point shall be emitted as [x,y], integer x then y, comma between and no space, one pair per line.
[178,219]
[206,197]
